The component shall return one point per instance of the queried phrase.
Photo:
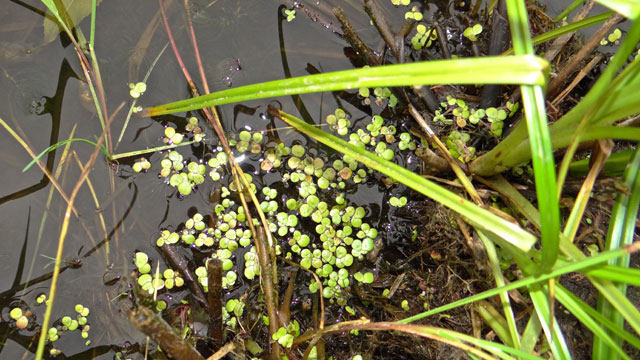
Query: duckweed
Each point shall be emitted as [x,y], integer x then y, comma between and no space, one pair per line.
[315,192]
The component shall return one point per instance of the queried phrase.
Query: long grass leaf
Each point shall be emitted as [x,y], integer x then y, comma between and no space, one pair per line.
[597,316]
[619,302]
[621,231]
[92,34]
[576,308]
[580,204]
[495,320]
[151,150]
[47,207]
[614,166]
[606,288]
[61,239]
[618,274]
[540,298]
[495,348]
[629,8]
[527,69]
[57,145]
[510,320]
[531,334]
[540,141]
[566,29]
[460,340]
[568,10]
[514,149]
[134,102]
[475,215]
[52,6]
[46,171]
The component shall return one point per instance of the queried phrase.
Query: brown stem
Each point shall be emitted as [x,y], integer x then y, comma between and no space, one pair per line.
[431,159]
[576,80]
[238,176]
[285,309]
[267,283]
[214,281]
[354,39]
[157,329]
[177,261]
[574,63]
[443,43]
[376,15]
[319,323]
[380,22]
[192,35]
[63,234]
[559,43]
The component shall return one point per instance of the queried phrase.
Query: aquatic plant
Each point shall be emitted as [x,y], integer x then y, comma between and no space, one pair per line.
[342,235]
[531,139]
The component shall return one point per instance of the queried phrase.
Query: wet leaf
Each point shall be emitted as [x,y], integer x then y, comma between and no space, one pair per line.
[77,10]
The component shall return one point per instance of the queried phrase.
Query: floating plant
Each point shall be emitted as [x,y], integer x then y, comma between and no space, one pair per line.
[313,197]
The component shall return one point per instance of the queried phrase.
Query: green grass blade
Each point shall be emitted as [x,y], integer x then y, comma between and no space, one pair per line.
[527,69]
[629,8]
[576,307]
[597,316]
[621,232]
[614,166]
[475,215]
[92,35]
[540,298]
[612,132]
[531,334]
[511,194]
[540,141]
[495,320]
[57,145]
[493,347]
[510,319]
[619,302]
[50,4]
[545,175]
[566,29]
[607,288]
[619,274]
[514,149]
[135,101]
[625,210]
[147,151]
[568,10]
[573,27]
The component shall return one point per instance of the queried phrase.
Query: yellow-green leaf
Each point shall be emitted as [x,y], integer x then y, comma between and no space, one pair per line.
[77,10]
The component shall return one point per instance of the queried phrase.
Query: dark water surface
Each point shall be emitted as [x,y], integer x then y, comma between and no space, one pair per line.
[43,97]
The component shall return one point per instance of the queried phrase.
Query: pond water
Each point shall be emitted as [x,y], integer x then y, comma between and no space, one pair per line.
[43,97]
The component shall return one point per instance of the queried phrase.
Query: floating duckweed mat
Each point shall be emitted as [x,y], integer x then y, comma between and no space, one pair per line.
[312,208]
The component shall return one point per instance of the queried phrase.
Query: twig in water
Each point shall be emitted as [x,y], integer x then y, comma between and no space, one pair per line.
[157,329]
[354,39]
[590,45]
[214,277]
[177,261]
